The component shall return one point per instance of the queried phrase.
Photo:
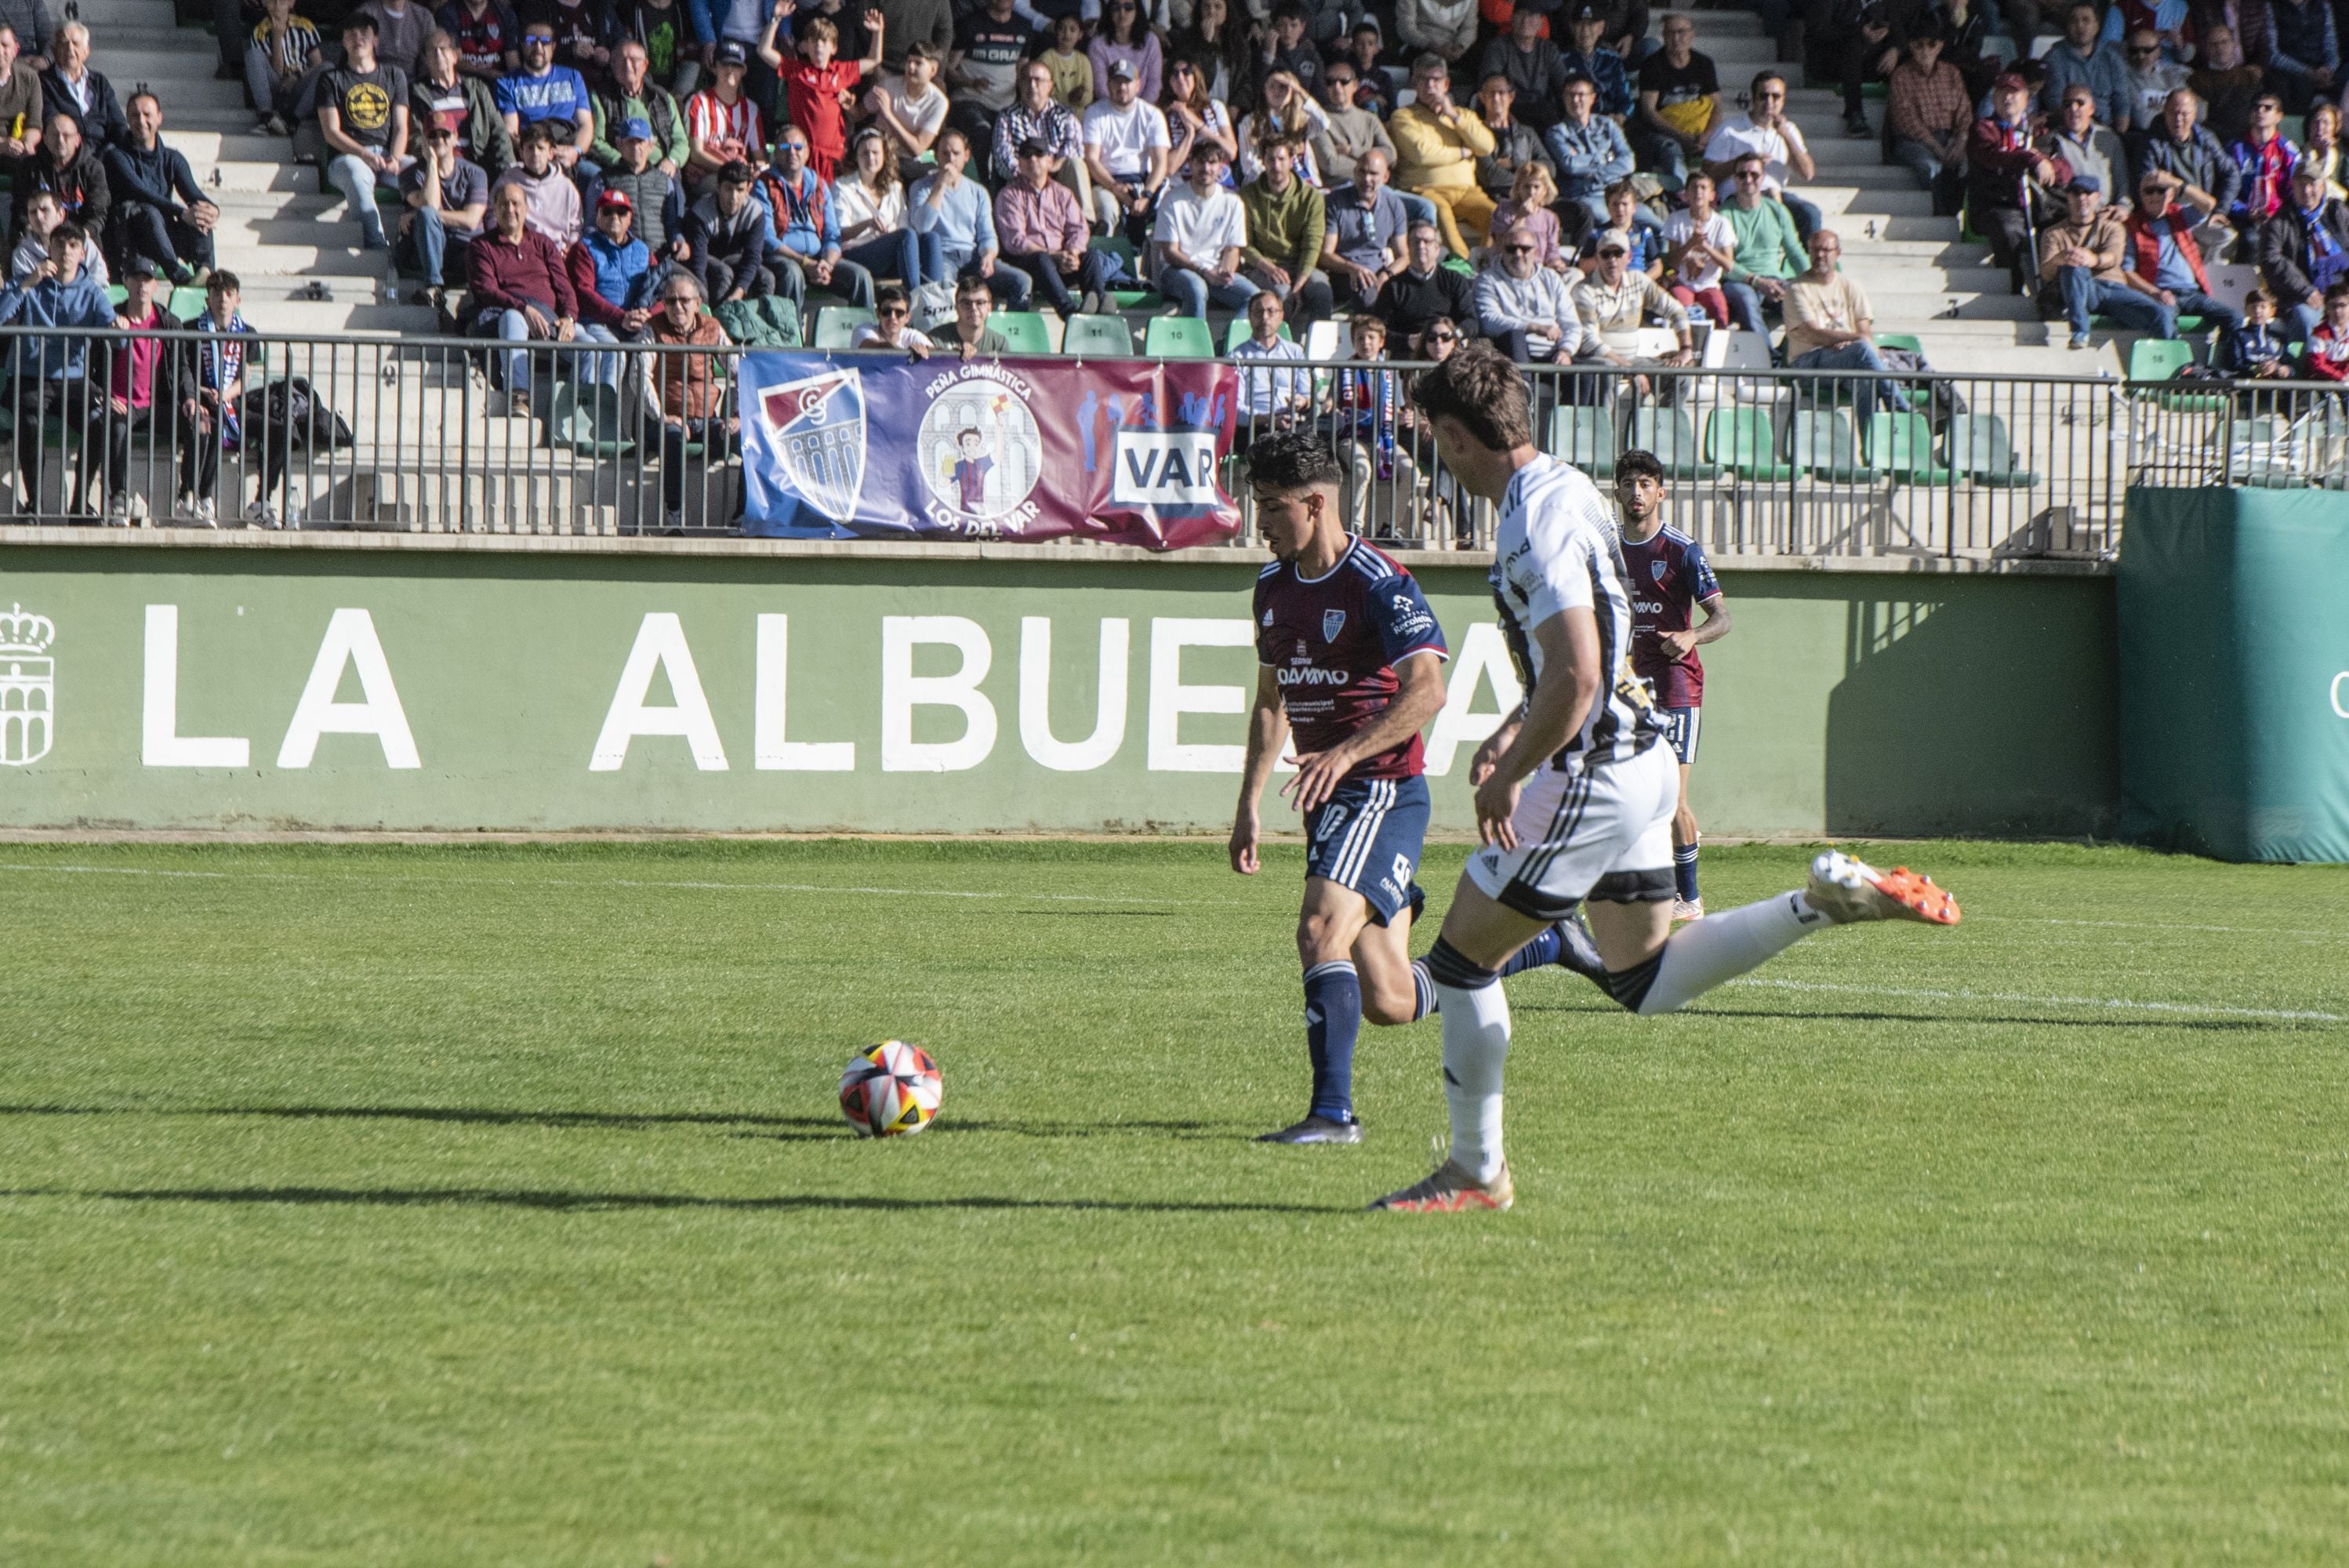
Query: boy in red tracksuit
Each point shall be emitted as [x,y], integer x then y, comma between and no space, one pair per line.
[817,88]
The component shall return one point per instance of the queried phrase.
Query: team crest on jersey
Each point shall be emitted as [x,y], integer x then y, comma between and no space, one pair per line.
[818,431]
[1332,623]
[1656,570]
[1267,617]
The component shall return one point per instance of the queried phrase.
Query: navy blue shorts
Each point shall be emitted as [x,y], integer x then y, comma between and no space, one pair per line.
[1368,837]
[1680,730]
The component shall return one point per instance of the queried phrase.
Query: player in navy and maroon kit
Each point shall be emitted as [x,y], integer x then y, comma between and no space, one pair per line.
[1668,579]
[1350,660]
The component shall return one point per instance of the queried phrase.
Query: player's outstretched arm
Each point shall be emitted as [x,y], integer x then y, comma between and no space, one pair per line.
[1561,701]
[1267,729]
[1419,697]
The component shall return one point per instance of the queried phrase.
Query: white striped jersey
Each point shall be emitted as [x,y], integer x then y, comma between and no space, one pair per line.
[1558,548]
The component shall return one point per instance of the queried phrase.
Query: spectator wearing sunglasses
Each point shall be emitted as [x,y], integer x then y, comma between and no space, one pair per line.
[892,326]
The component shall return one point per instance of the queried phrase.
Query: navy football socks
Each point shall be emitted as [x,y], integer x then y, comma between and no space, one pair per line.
[1333,1020]
[1684,872]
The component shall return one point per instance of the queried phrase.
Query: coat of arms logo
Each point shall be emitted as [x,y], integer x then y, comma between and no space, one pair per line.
[28,685]
[819,434]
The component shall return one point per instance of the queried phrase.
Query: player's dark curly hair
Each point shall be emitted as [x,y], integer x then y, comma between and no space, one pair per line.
[1479,387]
[1636,464]
[1292,460]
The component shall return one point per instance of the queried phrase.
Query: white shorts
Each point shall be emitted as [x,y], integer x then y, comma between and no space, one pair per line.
[1603,833]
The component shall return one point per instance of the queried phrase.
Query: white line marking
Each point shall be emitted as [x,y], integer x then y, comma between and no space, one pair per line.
[638,883]
[2162,925]
[2120,1003]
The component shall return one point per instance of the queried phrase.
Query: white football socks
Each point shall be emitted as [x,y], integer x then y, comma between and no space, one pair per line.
[1475,1045]
[1704,953]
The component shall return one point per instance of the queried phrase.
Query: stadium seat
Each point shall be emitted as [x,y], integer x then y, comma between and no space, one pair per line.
[2160,359]
[1585,438]
[1327,340]
[1122,248]
[1978,446]
[1908,340]
[589,420]
[117,295]
[1239,331]
[1819,440]
[187,303]
[836,324]
[1670,435]
[1023,330]
[1901,445]
[1106,336]
[1745,442]
[1178,337]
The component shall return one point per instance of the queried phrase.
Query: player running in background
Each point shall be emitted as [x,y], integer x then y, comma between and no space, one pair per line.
[1669,578]
[1574,794]
[1350,657]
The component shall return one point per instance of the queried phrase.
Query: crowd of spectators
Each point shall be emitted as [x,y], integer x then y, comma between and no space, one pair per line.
[1558,177]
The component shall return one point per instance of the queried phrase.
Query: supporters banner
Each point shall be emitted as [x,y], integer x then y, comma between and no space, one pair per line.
[1120,451]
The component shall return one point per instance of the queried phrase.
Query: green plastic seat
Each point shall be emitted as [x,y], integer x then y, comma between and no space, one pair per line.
[187,303]
[1669,434]
[1745,442]
[1820,441]
[1908,340]
[1978,446]
[836,325]
[1120,247]
[1901,445]
[1178,337]
[117,295]
[1024,331]
[1585,438]
[587,419]
[1101,334]
[2154,359]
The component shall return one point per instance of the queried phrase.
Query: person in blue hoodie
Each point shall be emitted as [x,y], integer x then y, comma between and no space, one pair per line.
[52,367]
[612,272]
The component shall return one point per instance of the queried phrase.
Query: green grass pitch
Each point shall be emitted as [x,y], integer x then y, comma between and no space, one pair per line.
[491,1205]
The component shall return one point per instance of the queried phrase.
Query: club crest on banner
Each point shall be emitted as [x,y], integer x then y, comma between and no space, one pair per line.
[817,428]
[980,453]
[28,685]
[1332,623]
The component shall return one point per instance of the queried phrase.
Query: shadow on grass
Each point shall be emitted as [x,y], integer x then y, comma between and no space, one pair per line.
[566,1202]
[1969,1020]
[779,1128]
[1188,1131]
[486,1118]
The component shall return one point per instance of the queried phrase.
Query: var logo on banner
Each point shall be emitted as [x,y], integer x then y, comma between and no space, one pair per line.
[28,685]
[1165,467]
[818,427]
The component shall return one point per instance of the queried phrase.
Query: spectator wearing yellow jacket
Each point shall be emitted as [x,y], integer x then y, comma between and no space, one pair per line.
[1436,149]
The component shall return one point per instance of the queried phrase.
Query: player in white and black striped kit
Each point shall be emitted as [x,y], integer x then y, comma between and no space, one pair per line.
[1574,794]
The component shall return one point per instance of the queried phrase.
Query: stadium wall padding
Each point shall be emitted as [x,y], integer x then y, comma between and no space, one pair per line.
[2233,609]
[366,682]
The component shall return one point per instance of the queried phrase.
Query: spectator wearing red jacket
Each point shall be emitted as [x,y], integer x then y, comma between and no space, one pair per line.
[2002,167]
[523,290]
[2328,345]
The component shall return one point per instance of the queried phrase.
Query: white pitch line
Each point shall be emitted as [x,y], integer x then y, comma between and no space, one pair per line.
[2120,1003]
[2162,925]
[636,883]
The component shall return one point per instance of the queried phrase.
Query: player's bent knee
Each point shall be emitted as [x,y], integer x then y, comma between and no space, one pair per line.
[1631,987]
[1448,966]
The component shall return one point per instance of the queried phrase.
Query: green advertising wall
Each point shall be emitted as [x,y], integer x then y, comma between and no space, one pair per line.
[371,684]
[2234,619]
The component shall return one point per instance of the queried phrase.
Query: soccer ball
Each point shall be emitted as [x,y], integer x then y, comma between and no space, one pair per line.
[891,1090]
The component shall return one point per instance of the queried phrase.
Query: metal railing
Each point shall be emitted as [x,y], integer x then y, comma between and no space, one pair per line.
[425,434]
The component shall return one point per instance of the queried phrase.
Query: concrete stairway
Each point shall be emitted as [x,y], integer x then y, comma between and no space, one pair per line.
[278,233]
[1921,275]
